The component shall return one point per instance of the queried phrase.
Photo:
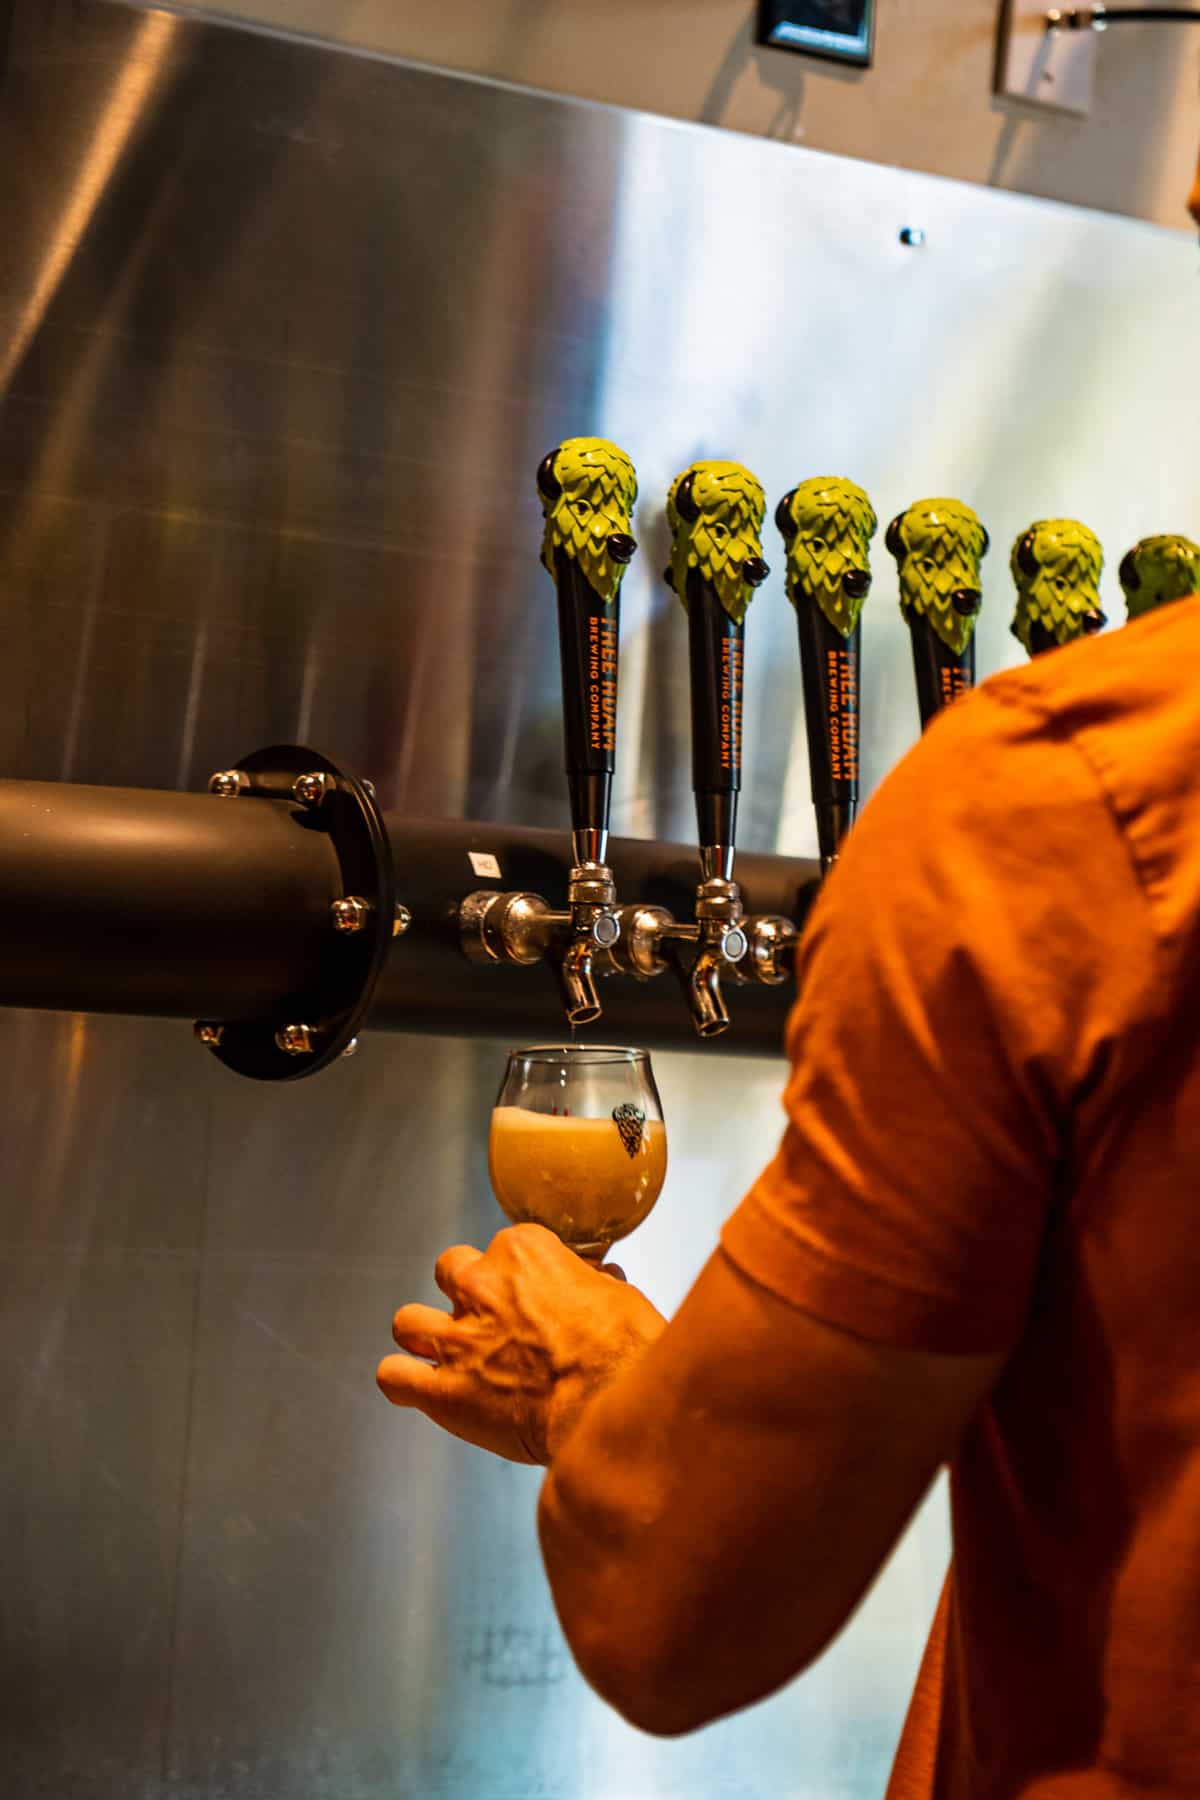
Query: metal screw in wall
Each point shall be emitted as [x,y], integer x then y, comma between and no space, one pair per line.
[310,790]
[228,783]
[208,1034]
[349,914]
[295,1039]
[912,237]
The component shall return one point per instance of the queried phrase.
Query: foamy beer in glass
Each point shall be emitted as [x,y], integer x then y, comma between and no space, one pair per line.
[578,1142]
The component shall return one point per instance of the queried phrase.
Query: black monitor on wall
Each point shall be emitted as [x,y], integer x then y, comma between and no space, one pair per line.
[841,30]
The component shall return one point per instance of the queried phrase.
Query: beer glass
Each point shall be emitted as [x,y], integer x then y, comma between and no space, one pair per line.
[578,1143]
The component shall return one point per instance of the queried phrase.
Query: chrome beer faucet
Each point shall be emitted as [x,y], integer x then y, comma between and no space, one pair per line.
[715,511]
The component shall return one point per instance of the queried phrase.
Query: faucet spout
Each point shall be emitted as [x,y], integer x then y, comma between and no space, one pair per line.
[702,985]
[576,980]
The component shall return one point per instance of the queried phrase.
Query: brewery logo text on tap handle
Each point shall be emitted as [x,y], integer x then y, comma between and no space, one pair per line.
[1158,570]
[938,546]
[715,511]
[1056,566]
[827,524]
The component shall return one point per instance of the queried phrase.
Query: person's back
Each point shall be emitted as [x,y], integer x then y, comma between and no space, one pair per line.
[975,1243]
[1066,1657]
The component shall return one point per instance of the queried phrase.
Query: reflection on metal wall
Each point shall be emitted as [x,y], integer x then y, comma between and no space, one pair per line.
[284,335]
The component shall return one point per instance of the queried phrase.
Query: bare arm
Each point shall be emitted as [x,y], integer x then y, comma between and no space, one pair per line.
[721,1508]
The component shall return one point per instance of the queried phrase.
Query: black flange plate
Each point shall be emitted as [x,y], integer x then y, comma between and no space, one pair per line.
[351,962]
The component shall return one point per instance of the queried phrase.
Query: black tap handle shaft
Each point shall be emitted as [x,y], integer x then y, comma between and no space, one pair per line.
[715,648]
[942,674]
[587,487]
[830,668]
[588,635]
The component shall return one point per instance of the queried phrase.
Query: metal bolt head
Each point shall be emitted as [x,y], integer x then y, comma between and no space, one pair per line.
[227,783]
[296,1040]
[349,914]
[310,790]
[208,1034]
[351,1048]
[401,921]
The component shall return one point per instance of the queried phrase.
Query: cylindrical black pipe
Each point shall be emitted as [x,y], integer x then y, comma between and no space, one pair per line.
[588,634]
[830,666]
[715,651]
[130,900]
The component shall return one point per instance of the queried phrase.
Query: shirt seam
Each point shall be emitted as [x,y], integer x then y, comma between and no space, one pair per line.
[835,1264]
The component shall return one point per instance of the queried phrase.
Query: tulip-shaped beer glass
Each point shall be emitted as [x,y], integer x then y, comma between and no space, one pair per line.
[578,1142]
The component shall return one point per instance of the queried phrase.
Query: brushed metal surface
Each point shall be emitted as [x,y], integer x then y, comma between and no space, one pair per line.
[283,335]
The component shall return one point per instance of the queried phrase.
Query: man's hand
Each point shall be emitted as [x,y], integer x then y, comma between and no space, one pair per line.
[535,1331]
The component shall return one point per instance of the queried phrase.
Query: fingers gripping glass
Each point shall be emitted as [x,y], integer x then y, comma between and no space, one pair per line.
[578,1142]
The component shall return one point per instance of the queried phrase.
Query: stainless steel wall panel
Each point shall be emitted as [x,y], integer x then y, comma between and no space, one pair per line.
[100,1249]
[283,336]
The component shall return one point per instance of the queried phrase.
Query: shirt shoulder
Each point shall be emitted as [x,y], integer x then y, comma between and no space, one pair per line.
[982,956]
[1127,703]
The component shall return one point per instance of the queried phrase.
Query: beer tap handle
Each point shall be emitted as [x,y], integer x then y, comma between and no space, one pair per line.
[1158,570]
[715,510]
[827,525]
[588,488]
[1056,566]
[938,546]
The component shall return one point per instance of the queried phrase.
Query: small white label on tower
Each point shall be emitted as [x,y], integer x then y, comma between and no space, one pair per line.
[484,864]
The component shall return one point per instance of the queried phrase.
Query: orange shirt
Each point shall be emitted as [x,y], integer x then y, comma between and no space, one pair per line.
[994,1144]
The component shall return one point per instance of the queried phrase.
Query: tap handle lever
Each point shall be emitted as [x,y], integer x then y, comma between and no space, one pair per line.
[1056,567]
[827,525]
[715,510]
[938,546]
[587,488]
[1158,570]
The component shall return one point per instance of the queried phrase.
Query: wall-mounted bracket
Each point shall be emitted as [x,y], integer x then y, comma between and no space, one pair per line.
[1044,66]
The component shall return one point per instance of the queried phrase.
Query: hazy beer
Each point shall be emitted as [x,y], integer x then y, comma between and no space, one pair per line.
[587,1179]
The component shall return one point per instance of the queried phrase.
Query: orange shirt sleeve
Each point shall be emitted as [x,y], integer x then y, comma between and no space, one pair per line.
[980,949]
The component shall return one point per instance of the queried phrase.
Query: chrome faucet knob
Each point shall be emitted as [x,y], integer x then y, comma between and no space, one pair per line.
[772,940]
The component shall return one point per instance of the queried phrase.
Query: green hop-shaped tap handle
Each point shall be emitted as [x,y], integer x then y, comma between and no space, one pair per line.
[1056,566]
[827,524]
[1159,569]
[715,511]
[588,488]
[938,546]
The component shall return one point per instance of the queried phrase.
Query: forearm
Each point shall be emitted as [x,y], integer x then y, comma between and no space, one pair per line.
[604,1493]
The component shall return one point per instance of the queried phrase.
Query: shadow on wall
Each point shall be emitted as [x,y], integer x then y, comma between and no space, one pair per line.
[1117,159]
[1054,154]
[786,74]
[1137,80]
